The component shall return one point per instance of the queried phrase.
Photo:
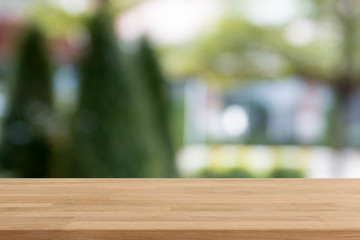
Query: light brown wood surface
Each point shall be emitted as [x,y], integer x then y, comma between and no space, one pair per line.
[179,209]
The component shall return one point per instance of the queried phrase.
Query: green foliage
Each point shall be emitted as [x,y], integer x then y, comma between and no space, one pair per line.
[53,19]
[212,172]
[286,173]
[155,81]
[25,146]
[156,163]
[177,116]
[122,5]
[116,132]
[157,87]
[57,21]
[106,141]
[237,50]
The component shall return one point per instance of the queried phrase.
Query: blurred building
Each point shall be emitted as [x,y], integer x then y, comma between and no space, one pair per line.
[286,111]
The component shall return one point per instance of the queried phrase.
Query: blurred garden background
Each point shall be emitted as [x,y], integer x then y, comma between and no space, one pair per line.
[180,88]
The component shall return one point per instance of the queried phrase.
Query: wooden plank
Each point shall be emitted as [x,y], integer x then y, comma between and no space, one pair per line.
[180,209]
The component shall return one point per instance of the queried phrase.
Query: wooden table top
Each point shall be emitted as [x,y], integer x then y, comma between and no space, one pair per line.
[180,209]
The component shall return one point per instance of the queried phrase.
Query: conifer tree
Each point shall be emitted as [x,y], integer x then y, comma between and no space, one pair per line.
[107,139]
[158,90]
[25,146]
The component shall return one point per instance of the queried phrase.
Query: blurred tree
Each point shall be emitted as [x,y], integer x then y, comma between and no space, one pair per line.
[25,146]
[156,162]
[109,139]
[344,16]
[58,18]
[53,19]
[158,89]
[238,50]
[347,79]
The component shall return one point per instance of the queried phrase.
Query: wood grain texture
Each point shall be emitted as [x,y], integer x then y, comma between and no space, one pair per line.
[180,209]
